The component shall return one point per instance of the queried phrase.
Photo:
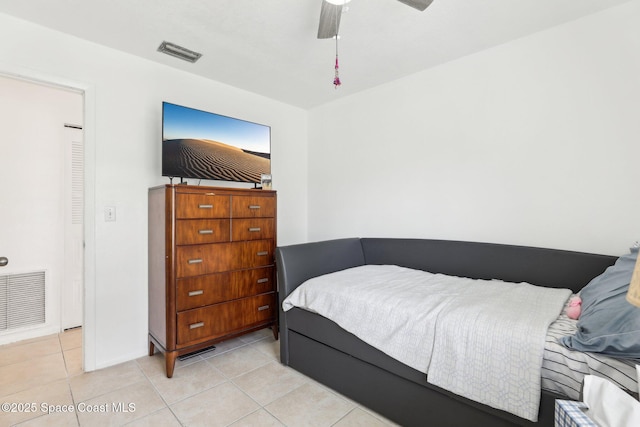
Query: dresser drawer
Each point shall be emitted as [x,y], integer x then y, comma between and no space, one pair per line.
[196,260]
[202,205]
[254,281]
[196,231]
[199,291]
[218,320]
[252,229]
[253,207]
[258,253]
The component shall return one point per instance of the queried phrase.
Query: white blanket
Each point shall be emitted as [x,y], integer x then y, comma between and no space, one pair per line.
[483,340]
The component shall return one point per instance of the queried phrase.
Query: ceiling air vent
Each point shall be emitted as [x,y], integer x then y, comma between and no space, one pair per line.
[179,52]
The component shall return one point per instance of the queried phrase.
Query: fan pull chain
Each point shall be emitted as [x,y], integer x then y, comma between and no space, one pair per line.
[336,78]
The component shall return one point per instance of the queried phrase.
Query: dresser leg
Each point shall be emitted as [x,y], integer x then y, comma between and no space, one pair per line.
[170,361]
[274,327]
[152,348]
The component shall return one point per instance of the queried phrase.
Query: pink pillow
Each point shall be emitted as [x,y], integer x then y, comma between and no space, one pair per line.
[574,307]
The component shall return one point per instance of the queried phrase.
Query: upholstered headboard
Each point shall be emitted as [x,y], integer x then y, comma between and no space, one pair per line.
[539,266]
[543,267]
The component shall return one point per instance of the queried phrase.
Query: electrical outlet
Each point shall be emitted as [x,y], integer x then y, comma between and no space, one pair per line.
[110,213]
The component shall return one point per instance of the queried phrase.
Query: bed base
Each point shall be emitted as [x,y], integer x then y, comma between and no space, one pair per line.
[396,398]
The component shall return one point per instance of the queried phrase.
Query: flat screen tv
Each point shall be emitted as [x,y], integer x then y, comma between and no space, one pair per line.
[201,145]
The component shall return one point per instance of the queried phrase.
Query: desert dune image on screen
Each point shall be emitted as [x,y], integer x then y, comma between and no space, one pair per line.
[198,144]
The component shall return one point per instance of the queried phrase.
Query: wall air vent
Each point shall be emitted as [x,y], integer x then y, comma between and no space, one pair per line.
[179,52]
[22,300]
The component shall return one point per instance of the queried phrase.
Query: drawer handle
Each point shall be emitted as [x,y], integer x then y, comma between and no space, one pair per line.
[263,307]
[263,253]
[196,325]
[254,206]
[254,229]
[205,206]
[263,280]
[209,194]
[195,261]
[196,293]
[205,231]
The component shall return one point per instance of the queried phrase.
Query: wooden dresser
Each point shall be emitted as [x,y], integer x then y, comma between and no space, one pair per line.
[211,266]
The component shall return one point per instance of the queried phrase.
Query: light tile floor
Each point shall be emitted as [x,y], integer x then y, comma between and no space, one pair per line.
[240,383]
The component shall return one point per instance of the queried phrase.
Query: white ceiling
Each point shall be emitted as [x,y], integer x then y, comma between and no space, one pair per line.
[270,47]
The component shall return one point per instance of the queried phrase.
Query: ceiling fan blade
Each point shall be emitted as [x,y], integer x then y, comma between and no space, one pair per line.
[417,4]
[329,20]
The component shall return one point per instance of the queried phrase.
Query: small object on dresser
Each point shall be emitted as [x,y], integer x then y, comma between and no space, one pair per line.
[265,180]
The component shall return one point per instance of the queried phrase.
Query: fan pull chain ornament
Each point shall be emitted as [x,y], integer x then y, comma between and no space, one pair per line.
[336,78]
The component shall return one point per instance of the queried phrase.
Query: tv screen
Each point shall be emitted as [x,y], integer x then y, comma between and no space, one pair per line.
[201,145]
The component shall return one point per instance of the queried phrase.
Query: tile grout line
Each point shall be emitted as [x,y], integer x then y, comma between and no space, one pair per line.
[73,399]
[261,407]
[167,406]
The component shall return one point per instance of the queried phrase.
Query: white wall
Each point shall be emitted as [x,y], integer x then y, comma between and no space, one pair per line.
[534,142]
[123,118]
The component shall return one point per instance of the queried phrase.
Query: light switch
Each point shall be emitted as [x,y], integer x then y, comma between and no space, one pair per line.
[110,213]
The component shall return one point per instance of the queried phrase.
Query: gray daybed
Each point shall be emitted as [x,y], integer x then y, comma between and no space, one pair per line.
[322,350]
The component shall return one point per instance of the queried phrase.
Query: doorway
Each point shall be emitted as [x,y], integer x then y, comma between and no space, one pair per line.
[41,236]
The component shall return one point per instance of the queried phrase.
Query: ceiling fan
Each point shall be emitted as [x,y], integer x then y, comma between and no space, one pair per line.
[332,10]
